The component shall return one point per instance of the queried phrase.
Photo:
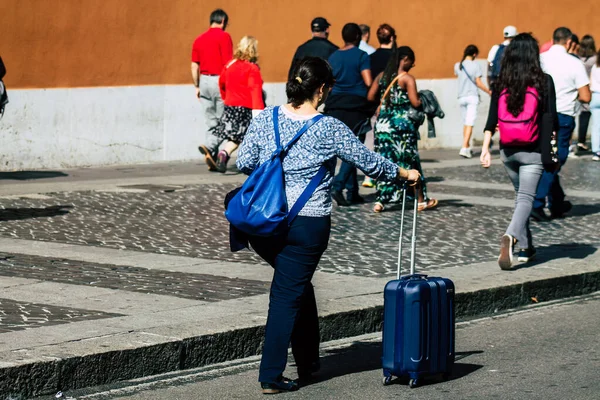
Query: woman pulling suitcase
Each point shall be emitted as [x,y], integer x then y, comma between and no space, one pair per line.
[292,315]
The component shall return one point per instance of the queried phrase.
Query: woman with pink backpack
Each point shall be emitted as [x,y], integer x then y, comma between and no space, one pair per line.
[523,108]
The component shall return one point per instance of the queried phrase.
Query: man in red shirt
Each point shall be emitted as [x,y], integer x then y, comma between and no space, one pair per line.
[210,52]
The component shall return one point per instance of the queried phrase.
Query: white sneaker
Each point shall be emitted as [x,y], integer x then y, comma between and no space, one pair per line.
[466,153]
[573,151]
[596,157]
[505,259]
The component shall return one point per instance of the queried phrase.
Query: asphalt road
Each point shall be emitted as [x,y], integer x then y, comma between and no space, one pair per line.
[545,352]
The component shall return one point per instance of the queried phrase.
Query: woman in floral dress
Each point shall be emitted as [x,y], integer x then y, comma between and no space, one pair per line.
[395,133]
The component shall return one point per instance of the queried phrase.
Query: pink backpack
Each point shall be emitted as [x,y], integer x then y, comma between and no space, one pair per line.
[523,129]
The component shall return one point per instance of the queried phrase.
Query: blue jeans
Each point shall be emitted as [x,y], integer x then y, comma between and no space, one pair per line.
[550,183]
[347,178]
[524,170]
[292,314]
[595,109]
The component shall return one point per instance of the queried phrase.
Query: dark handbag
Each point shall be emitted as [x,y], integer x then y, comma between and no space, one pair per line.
[417,117]
[259,207]
[549,148]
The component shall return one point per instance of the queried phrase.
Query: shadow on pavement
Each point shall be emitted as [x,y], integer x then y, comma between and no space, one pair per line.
[580,210]
[460,370]
[453,203]
[366,356]
[576,251]
[464,354]
[372,198]
[14,214]
[232,171]
[30,175]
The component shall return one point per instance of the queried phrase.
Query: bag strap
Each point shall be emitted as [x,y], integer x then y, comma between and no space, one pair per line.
[390,87]
[463,69]
[498,54]
[306,194]
[301,132]
[316,180]
[276,128]
[230,63]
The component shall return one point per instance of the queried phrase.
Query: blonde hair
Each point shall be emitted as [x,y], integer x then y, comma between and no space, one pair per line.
[247,49]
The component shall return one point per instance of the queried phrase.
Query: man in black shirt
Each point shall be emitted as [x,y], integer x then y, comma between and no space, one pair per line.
[318,46]
[386,35]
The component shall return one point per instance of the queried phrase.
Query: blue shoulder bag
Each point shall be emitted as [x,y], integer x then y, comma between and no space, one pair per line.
[260,208]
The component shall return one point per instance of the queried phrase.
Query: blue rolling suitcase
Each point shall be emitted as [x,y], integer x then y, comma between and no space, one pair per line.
[418,321]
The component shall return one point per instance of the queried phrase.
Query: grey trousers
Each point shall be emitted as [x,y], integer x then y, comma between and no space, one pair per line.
[524,170]
[212,104]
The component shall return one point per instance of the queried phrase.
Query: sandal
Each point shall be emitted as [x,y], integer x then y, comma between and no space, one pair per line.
[427,205]
[378,207]
[282,385]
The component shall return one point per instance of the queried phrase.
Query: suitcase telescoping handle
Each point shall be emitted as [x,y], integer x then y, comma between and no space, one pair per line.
[414,233]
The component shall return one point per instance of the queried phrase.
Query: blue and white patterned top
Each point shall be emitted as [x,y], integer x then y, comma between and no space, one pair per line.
[321,144]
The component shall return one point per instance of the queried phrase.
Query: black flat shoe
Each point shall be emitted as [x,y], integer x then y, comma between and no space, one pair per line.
[582,148]
[305,373]
[339,198]
[283,385]
[526,255]
[538,214]
[356,199]
[561,210]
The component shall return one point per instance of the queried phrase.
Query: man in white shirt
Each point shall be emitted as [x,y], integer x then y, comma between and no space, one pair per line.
[572,86]
[509,33]
[364,42]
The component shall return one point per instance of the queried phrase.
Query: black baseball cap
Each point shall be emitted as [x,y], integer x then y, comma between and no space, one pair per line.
[319,24]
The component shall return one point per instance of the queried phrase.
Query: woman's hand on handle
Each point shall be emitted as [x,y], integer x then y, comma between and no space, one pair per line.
[413,176]
[410,175]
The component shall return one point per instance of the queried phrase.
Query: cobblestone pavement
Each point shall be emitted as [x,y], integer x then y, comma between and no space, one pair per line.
[190,222]
[177,284]
[577,174]
[435,188]
[18,316]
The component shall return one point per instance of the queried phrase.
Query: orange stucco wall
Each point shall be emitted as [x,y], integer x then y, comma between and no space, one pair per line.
[71,43]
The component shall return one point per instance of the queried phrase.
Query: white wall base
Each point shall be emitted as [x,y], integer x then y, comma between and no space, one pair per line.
[65,128]
[449,131]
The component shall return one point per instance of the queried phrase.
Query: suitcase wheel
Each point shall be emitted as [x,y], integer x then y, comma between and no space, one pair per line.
[413,383]
[387,380]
